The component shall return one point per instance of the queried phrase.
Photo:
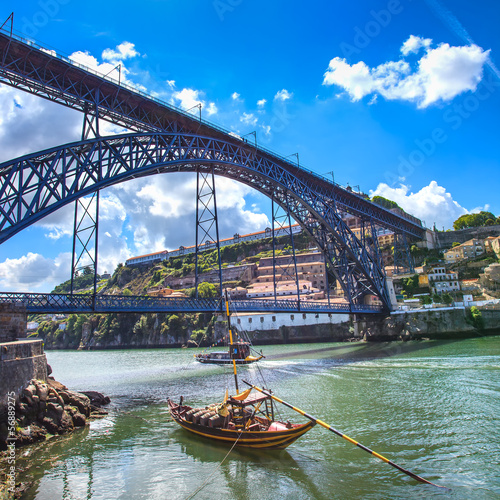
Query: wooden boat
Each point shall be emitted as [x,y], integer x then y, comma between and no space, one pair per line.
[239,352]
[241,426]
[244,420]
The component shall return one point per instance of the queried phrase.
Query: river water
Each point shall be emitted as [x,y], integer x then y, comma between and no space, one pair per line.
[432,407]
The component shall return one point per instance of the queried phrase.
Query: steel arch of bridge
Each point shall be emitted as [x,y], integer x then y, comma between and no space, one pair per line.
[33,186]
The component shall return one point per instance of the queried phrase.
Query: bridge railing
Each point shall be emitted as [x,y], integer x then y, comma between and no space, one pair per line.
[79,303]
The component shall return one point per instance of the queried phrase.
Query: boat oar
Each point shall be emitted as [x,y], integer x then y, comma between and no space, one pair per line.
[335,431]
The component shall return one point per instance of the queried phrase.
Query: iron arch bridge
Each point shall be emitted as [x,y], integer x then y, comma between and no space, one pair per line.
[38,184]
[168,140]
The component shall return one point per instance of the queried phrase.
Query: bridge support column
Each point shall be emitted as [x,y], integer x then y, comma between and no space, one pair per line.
[207,224]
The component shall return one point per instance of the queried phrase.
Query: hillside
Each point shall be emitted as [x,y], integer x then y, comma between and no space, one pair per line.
[88,331]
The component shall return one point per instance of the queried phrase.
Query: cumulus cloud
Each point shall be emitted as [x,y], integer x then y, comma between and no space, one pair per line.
[432,204]
[414,44]
[439,75]
[188,99]
[283,95]
[34,272]
[261,103]
[125,50]
[248,118]
[235,96]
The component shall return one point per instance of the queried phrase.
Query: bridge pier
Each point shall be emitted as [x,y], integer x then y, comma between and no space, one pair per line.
[20,360]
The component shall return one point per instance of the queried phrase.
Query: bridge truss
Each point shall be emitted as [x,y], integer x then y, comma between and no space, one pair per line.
[165,139]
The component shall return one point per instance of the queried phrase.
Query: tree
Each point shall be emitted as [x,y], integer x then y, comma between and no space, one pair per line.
[207,290]
[425,300]
[455,244]
[447,299]
[473,220]
[384,202]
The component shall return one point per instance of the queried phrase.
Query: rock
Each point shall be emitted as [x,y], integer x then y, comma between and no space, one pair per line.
[79,420]
[73,398]
[96,398]
[49,370]
[54,412]
[66,424]
[54,397]
[31,434]
[50,425]
[97,412]
[55,384]
[42,390]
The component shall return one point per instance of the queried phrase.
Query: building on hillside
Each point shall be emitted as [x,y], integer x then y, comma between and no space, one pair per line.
[285,289]
[490,243]
[495,246]
[208,245]
[310,267]
[468,250]
[440,280]
[490,279]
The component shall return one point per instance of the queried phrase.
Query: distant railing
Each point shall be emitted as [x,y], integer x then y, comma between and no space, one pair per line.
[78,303]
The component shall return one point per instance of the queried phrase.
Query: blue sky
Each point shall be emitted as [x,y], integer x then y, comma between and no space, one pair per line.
[398,97]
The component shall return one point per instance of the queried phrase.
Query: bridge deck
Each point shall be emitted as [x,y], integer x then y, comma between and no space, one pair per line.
[66,304]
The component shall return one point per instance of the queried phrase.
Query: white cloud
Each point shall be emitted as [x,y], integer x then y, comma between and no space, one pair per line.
[125,50]
[261,103]
[235,96]
[248,118]
[432,204]
[283,95]
[33,272]
[171,83]
[414,44]
[188,99]
[211,109]
[440,75]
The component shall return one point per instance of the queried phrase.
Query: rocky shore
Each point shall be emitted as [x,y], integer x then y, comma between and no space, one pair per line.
[44,410]
[50,408]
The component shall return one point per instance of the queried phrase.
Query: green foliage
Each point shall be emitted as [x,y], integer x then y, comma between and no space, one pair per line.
[473,220]
[426,300]
[447,299]
[207,290]
[197,335]
[410,285]
[475,318]
[85,280]
[384,202]
[455,244]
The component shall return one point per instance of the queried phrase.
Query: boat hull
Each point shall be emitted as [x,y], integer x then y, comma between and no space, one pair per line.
[243,439]
[228,361]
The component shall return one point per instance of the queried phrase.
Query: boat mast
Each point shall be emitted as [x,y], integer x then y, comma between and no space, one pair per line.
[231,343]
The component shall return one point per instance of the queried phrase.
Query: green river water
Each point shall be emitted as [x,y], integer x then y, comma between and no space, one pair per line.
[432,407]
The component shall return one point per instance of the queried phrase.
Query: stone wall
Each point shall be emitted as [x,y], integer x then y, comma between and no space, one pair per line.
[447,238]
[19,363]
[436,323]
[12,322]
